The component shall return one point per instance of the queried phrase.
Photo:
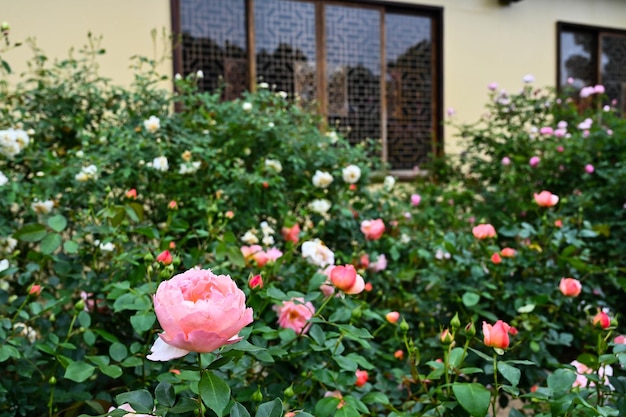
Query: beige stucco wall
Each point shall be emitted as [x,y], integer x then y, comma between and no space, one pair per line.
[483,41]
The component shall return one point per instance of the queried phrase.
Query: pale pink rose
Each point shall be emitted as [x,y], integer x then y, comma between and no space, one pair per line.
[199,312]
[546,130]
[586,91]
[483,231]
[534,161]
[392,317]
[589,169]
[295,314]
[582,370]
[620,340]
[546,199]
[506,161]
[372,229]
[598,89]
[131,411]
[380,264]
[492,86]
[416,199]
[273,254]
[570,287]
[249,251]
[560,148]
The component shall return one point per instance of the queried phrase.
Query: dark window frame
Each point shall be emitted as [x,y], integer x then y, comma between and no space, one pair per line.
[434,13]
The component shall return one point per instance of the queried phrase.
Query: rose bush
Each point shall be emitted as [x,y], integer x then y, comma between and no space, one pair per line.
[326,295]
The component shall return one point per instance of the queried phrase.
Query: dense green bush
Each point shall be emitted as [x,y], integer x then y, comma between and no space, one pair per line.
[108,192]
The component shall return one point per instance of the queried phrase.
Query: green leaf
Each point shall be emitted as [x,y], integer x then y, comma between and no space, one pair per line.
[184,405]
[375,398]
[272,408]
[348,411]
[326,406]
[113,371]
[473,397]
[317,334]
[143,322]
[481,354]
[346,363]
[140,400]
[50,243]
[560,382]
[215,393]
[118,352]
[470,299]
[79,371]
[84,319]
[511,373]
[32,232]
[239,410]
[69,246]
[7,352]
[58,222]
[164,393]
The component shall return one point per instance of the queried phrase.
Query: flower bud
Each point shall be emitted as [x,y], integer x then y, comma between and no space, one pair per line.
[356,313]
[80,305]
[148,257]
[257,396]
[4,27]
[288,392]
[470,329]
[455,323]
[404,326]
[446,337]
[52,380]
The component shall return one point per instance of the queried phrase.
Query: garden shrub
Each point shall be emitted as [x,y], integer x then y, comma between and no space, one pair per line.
[109,193]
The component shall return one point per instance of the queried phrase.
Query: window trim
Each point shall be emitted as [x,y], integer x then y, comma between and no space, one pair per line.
[435,13]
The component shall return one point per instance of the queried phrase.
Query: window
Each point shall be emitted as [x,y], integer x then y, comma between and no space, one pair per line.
[372,69]
[593,55]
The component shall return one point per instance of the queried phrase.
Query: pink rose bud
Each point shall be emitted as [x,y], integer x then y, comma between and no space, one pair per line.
[368,287]
[602,320]
[508,252]
[255,281]
[492,86]
[132,193]
[620,340]
[361,378]
[496,336]
[415,199]
[570,287]
[165,257]
[34,289]
[392,317]
[560,148]
[546,130]
[496,258]
[291,234]
[399,354]
[506,161]
[534,161]
[589,169]
[213,303]
[229,214]
[173,205]
[558,223]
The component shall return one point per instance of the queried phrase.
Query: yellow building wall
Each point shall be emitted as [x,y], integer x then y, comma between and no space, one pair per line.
[484,41]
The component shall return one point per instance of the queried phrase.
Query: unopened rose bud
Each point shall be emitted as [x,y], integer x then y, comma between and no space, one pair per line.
[257,396]
[470,329]
[446,337]
[356,313]
[455,323]
[404,326]
[52,380]
[80,305]
[288,392]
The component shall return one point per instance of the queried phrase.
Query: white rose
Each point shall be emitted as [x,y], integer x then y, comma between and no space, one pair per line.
[320,206]
[3,179]
[317,253]
[322,179]
[274,165]
[351,174]
[160,163]
[152,124]
[389,182]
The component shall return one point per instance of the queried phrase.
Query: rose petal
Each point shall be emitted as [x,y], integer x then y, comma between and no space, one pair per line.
[161,351]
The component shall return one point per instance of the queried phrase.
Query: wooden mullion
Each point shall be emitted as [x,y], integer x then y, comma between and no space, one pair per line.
[320,40]
[252,79]
[383,86]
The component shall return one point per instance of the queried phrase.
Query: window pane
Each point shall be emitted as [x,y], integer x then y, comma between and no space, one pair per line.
[577,58]
[614,67]
[214,41]
[409,88]
[353,66]
[285,46]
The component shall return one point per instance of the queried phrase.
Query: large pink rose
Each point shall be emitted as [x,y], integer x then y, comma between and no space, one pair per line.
[546,199]
[373,229]
[199,312]
[295,314]
[483,231]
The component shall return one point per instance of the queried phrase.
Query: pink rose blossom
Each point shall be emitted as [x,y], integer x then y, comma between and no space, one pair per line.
[534,161]
[346,279]
[492,86]
[291,234]
[589,169]
[416,199]
[570,287]
[295,314]
[199,312]
[372,229]
[560,148]
[483,231]
[506,161]
[165,257]
[546,199]
[546,130]
[496,335]
[392,317]
[361,378]
[380,264]
[601,320]
[620,340]
[598,89]
[255,281]
[582,370]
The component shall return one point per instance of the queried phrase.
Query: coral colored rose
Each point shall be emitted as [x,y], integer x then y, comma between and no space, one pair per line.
[570,287]
[132,193]
[165,257]
[508,252]
[35,290]
[399,354]
[496,336]
[368,287]
[602,320]
[199,312]
[496,258]
[173,205]
[372,229]
[295,314]
[546,199]
[255,281]
[558,223]
[483,231]
[291,234]
[361,377]
[392,317]
[346,279]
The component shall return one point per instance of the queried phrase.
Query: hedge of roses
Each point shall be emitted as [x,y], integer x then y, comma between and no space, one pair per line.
[233,258]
